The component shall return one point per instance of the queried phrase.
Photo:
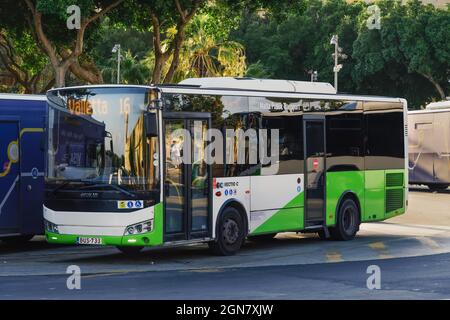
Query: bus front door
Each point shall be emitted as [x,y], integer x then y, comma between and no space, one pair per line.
[187,175]
[314,132]
[9,177]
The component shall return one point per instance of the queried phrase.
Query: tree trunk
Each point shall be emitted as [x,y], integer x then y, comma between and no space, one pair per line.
[88,73]
[179,40]
[60,76]
[160,61]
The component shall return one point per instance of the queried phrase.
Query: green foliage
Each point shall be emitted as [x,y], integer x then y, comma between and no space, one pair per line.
[411,48]
[135,46]
[398,60]
[258,70]
[27,65]
[408,57]
[288,49]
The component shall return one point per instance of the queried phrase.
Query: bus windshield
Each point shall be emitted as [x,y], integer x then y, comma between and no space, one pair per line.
[97,140]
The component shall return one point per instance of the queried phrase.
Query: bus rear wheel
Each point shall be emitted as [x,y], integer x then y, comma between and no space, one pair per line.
[130,251]
[348,221]
[230,233]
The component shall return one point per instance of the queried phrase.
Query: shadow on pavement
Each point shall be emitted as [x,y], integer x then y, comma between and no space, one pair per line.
[191,253]
[423,189]
[37,243]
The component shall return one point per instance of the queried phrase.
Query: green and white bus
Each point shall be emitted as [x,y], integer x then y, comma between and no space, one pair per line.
[112,177]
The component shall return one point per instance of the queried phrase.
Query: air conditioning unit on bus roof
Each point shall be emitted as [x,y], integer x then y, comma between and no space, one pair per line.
[261,84]
[438,105]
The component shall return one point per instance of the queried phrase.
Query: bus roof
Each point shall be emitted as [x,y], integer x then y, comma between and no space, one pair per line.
[251,84]
[15,96]
[434,107]
[251,87]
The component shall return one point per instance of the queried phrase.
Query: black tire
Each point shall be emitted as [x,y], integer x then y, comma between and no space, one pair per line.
[348,221]
[230,234]
[263,237]
[130,251]
[18,239]
[437,187]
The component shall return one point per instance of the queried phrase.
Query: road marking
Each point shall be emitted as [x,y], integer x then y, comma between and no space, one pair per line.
[334,256]
[429,243]
[104,274]
[377,245]
[380,247]
[206,270]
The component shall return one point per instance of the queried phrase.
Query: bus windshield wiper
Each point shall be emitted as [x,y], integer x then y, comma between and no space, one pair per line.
[65,183]
[105,185]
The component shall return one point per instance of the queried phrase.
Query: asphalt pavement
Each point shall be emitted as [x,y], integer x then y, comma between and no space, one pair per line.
[412,253]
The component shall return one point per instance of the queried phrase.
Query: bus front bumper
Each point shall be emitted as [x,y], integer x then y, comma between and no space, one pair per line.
[145,239]
[106,229]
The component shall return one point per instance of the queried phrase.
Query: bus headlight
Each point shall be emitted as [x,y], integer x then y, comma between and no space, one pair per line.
[139,228]
[51,227]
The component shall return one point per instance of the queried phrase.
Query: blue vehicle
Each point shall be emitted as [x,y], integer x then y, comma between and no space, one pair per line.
[22,119]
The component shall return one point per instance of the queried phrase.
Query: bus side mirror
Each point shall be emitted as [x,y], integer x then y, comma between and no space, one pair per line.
[151,125]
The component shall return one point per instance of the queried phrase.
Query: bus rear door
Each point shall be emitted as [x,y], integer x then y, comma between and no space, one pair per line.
[314,133]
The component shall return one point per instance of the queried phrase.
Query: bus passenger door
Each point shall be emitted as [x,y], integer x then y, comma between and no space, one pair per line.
[314,132]
[9,177]
[187,175]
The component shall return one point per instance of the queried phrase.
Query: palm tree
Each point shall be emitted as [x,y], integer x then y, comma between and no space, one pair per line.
[203,55]
[208,57]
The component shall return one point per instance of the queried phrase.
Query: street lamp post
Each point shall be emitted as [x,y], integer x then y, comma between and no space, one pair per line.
[116,49]
[314,75]
[336,55]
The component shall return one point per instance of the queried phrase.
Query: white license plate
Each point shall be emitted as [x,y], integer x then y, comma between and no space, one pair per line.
[89,240]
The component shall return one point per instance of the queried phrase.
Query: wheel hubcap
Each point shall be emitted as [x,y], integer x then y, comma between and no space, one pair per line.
[349,220]
[230,231]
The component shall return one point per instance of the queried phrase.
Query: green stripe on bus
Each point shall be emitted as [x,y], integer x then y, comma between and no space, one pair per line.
[290,217]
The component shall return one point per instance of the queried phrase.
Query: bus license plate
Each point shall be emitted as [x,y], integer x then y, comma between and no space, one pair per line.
[89,240]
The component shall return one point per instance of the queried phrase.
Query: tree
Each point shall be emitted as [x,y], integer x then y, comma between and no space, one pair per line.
[169,21]
[207,56]
[290,41]
[408,56]
[163,15]
[25,63]
[133,71]
[46,21]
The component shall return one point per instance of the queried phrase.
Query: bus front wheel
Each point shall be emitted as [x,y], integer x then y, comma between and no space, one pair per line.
[230,233]
[348,221]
